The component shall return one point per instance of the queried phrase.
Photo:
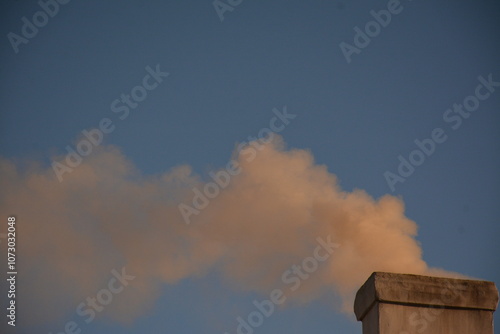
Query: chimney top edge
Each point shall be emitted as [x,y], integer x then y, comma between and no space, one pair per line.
[430,291]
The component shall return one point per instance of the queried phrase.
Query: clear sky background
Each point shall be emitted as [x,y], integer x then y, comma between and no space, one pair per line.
[225,79]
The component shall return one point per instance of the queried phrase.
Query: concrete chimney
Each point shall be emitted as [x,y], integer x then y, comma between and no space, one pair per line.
[405,304]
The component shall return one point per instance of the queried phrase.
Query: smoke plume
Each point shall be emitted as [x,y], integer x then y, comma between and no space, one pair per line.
[106,215]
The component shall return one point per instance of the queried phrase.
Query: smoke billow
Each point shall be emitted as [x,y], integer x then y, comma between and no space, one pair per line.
[106,215]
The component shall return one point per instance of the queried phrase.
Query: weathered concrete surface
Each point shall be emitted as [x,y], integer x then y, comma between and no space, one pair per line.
[391,303]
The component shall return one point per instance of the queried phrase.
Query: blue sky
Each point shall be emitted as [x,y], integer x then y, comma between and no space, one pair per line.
[226,77]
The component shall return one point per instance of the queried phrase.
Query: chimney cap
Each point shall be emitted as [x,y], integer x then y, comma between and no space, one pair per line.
[416,290]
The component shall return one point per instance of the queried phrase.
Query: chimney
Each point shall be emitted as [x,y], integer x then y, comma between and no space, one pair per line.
[391,303]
